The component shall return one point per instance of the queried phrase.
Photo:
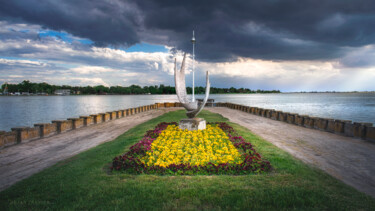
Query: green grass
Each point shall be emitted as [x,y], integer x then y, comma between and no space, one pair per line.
[83,182]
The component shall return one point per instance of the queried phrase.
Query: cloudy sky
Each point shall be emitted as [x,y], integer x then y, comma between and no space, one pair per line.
[290,45]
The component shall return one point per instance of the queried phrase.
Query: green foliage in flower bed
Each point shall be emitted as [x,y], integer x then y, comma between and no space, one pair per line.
[250,160]
[84,182]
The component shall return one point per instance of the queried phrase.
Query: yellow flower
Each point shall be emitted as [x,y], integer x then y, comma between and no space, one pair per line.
[175,146]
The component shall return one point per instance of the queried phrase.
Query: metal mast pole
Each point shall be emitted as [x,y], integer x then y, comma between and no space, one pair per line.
[193,41]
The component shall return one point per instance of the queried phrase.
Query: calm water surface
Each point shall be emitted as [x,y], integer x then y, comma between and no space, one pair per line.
[27,110]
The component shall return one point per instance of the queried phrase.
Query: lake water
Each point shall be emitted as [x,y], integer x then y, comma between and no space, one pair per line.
[18,111]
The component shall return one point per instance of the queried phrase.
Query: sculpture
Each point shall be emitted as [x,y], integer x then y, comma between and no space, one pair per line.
[192,107]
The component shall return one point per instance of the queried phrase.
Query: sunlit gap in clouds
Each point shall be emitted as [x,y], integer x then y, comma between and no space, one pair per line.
[64,36]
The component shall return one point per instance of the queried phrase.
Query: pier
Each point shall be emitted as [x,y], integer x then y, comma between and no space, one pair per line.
[345,152]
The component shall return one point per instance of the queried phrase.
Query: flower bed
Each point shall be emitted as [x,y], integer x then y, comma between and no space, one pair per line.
[169,150]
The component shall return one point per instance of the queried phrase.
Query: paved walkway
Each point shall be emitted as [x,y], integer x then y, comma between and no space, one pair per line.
[347,159]
[21,161]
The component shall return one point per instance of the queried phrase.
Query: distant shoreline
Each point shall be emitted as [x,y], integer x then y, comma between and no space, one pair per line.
[327,92]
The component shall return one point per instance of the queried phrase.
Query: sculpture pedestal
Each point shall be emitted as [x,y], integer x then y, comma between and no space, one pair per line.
[193,124]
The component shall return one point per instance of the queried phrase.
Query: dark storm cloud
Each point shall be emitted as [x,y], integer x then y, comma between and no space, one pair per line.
[226,30]
[104,22]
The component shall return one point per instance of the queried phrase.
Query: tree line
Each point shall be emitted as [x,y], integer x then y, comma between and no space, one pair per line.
[45,88]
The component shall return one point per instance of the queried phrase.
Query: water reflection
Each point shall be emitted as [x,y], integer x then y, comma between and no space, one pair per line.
[28,110]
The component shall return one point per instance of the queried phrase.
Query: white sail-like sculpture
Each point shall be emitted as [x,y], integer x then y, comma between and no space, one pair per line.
[192,107]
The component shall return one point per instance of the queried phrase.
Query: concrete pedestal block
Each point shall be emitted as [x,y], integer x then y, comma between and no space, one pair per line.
[76,122]
[269,113]
[311,122]
[331,125]
[291,118]
[21,133]
[120,113]
[263,113]
[370,133]
[46,129]
[113,115]
[275,115]
[299,120]
[306,121]
[321,124]
[167,105]
[63,125]
[252,110]
[7,138]
[101,118]
[106,116]
[359,129]
[95,118]
[340,126]
[193,124]
[282,116]
[348,129]
[87,120]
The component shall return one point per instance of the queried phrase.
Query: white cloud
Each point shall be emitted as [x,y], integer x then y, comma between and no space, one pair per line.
[22,62]
[86,81]
[91,70]
[58,62]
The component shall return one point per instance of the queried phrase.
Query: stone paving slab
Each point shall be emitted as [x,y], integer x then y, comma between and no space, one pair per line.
[21,161]
[347,159]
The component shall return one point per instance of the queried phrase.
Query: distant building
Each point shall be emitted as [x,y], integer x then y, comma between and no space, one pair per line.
[62,92]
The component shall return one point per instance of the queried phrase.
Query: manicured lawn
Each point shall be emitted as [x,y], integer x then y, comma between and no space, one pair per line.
[84,182]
